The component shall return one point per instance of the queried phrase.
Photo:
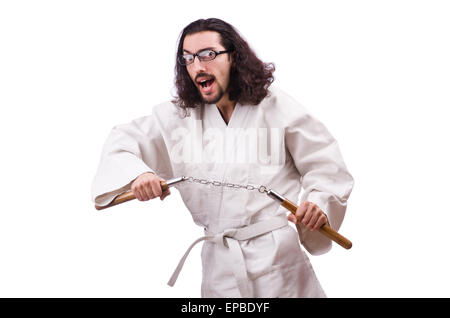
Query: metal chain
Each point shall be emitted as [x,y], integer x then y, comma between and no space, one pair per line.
[249,187]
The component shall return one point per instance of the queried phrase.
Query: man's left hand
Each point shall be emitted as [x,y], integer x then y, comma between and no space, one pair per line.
[310,215]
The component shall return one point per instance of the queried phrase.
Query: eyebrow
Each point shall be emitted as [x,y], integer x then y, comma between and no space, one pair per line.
[206,48]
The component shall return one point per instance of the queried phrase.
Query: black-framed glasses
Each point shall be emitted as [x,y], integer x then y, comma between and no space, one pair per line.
[203,56]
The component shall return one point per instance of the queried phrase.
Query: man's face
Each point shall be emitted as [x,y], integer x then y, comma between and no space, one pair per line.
[216,72]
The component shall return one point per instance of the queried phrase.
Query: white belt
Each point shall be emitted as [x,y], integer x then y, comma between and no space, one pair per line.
[229,239]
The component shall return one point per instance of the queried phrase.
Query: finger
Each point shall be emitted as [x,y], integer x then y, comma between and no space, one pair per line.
[156,188]
[301,210]
[292,218]
[320,222]
[147,190]
[309,213]
[138,194]
[314,219]
[135,192]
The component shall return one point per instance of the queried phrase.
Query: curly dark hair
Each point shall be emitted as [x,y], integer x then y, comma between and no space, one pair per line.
[250,78]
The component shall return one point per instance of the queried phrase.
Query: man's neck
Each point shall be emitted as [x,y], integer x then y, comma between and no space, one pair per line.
[226,108]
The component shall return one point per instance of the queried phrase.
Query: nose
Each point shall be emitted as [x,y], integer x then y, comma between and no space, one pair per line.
[197,66]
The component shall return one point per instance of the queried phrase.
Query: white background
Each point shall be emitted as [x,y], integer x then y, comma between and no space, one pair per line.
[375,72]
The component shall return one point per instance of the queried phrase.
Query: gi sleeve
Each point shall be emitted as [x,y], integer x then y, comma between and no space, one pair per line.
[324,176]
[129,151]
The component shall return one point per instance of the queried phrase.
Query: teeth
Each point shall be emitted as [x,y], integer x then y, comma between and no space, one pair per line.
[203,83]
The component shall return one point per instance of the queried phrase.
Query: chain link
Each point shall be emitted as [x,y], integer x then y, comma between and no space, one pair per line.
[215,183]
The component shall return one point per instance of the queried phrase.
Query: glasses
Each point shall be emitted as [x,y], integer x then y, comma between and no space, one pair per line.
[203,56]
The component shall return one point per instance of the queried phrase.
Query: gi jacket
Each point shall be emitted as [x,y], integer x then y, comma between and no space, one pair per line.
[277,144]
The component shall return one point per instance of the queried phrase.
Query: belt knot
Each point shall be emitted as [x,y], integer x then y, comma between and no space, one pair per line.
[220,238]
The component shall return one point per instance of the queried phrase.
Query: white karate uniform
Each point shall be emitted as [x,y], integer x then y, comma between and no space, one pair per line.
[248,250]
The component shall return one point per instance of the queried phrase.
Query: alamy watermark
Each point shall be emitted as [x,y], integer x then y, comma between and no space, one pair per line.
[261,146]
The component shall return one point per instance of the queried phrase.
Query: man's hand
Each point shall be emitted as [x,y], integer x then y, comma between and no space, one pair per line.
[147,186]
[310,215]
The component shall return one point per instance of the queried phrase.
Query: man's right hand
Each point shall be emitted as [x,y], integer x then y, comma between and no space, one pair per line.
[147,186]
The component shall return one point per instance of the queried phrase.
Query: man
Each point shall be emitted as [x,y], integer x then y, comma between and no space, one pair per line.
[223,123]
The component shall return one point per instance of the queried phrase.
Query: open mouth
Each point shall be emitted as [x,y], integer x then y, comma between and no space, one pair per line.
[206,84]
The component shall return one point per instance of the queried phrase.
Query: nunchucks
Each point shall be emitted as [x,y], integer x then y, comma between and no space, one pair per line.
[324,229]
[127,196]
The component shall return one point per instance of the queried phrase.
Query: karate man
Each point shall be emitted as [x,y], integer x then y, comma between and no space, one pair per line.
[229,125]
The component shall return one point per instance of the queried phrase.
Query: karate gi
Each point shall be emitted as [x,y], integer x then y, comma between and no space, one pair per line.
[249,250]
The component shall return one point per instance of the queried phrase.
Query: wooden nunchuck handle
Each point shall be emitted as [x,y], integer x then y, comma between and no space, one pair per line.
[126,196]
[325,229]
